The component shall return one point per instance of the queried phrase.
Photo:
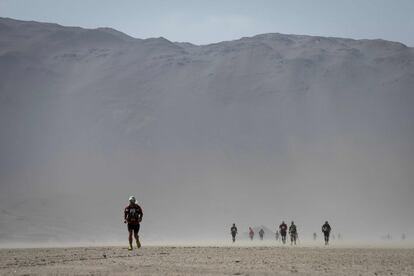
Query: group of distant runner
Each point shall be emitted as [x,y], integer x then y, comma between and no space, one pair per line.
[282,232]
[133,216]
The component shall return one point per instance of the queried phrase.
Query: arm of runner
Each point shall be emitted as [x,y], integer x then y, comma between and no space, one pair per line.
[141,214]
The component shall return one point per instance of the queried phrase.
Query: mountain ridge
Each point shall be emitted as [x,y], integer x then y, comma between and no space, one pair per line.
[4,20]
[272,120]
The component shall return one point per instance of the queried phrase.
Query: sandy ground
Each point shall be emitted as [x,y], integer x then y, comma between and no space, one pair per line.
[208,260]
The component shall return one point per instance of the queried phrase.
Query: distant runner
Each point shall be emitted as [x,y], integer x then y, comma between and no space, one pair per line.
[133,216]
[261,233]
[283,231]
[251,233]
[233,231]
[314,236]
[277,235]
[293,232]
[326,230]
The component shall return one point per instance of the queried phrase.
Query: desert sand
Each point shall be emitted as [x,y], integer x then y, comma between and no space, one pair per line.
[209,260]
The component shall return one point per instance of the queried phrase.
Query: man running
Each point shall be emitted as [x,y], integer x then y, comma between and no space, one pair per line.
[233,231]
[133,216]
[277,235]
[314,236]
[283,231]
[261,233]
[326,230]
[251,233]
[293,232]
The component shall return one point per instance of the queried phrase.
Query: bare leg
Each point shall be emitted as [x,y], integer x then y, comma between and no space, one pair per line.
[130,239]
[136,239]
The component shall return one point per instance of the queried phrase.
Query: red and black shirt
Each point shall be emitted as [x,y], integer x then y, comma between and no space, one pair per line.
[133,214]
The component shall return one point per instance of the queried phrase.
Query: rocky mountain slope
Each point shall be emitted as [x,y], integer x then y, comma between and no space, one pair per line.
[198,130]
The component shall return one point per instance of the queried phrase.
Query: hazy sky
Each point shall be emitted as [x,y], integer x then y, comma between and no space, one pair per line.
[203,22]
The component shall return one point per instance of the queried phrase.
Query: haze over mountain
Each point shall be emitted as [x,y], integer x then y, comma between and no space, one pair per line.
[250,131]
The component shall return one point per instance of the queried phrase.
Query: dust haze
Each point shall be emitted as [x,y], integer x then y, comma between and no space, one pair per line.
[253,131]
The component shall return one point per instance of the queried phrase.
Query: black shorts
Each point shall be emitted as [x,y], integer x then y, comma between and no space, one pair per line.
[133,227]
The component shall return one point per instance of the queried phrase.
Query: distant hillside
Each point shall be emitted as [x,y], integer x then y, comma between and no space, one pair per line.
[312,128]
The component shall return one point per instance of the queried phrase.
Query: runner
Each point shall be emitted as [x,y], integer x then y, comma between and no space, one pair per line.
[293,232]
[326,230]
[251,233]
[133,216]
[261,234]
[283,231]
[233,231]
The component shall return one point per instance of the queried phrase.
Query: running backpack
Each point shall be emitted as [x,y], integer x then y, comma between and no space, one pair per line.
[133,214]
